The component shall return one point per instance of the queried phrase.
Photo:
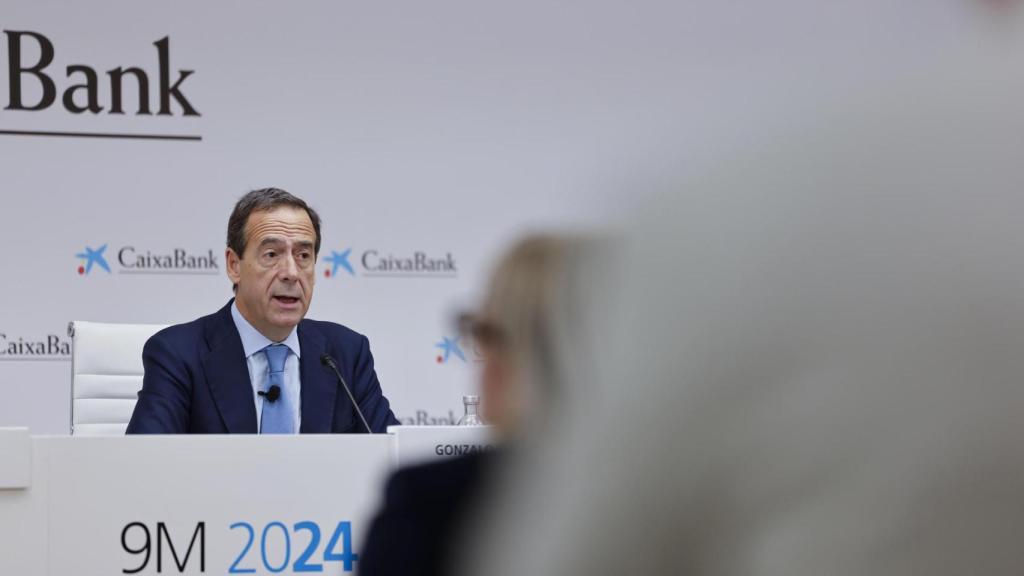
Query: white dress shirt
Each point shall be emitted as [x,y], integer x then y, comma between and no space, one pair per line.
[253,342]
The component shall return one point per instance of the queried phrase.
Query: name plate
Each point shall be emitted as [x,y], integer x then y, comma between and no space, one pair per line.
[420,444]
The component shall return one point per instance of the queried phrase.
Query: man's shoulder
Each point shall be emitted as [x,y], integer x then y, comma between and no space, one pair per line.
[332,331]
[438,483]
[185,334]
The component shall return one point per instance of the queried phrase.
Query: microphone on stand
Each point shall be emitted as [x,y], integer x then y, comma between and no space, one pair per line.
[329,362]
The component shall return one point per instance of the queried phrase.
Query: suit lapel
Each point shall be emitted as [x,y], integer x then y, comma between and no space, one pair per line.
[227,374]
[318,387]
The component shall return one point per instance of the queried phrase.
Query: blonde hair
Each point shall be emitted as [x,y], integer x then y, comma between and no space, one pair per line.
[528,307]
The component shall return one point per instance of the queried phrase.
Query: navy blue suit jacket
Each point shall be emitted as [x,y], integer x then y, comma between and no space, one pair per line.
[423,521]
[197,381]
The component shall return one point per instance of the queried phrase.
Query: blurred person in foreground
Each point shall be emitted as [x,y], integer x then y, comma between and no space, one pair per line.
[520,331]
[258,364]
[816,349]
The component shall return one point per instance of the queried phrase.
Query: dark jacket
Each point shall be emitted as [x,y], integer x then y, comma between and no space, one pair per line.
[197,382]
[424,513]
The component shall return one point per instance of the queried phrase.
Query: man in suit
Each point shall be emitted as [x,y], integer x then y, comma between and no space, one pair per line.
[255,365]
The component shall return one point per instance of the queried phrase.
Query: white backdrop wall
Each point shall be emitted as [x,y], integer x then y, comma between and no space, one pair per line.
[446,128]
[410,130]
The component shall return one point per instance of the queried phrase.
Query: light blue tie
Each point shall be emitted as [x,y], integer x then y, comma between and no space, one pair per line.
[278,416]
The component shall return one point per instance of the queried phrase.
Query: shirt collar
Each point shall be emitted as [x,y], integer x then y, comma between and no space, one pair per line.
[253,341]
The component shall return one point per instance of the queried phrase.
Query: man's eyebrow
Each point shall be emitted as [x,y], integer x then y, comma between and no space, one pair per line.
[270,240]
[276,240]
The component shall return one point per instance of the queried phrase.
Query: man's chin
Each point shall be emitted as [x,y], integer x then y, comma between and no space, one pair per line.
[287,318]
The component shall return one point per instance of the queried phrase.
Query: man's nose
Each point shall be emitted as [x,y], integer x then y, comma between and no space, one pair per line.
[289,267]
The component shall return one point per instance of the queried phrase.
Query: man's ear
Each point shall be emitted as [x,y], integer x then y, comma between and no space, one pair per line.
[233,266]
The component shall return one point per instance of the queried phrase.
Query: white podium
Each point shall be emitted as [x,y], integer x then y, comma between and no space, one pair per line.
[107,506]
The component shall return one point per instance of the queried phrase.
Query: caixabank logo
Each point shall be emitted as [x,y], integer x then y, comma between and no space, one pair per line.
[40,348]
[144,84]
[339,260]
[426,418]
[450,349]
[130,259]
[456,350]
[377,263]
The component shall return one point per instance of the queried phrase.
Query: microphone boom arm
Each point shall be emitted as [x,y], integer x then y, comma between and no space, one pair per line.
[327,361]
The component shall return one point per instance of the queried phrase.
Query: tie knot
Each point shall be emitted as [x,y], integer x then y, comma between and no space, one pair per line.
[276,355]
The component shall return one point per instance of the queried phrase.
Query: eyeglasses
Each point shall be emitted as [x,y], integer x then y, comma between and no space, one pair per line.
[486,335]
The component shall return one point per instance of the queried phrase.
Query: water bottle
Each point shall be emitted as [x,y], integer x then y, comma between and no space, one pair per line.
[470,418]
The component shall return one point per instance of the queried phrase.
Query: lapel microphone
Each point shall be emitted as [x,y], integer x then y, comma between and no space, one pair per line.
[329,362]
[272,394]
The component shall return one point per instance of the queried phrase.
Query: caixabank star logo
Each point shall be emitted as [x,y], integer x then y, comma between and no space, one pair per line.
[377,263]
[456,350]
[129,259]
[338,260]
[92,257]
[450,347]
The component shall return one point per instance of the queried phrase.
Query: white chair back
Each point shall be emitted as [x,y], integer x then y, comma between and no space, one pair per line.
[106,375]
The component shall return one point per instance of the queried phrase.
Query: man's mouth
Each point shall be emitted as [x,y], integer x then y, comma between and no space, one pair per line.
[287,300]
